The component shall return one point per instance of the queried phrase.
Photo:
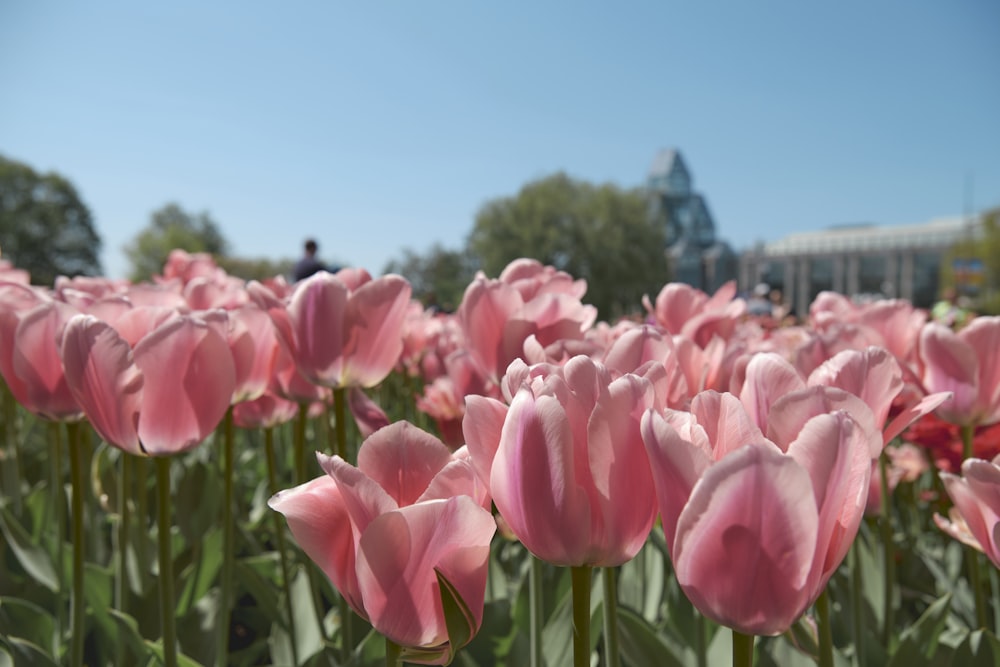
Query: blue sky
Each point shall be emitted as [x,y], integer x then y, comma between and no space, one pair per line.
[384,125]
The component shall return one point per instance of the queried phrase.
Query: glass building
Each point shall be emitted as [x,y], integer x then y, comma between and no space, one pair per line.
[857,260]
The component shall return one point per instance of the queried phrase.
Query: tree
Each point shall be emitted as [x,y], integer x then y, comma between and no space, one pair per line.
[172,227]
[438,277]
[984,247]
[45,228]
[597,232]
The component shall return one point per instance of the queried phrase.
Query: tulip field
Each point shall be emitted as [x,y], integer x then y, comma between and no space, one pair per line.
[199,470]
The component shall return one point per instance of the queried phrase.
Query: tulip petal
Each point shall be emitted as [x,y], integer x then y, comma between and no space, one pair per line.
[373,330]
[482,426]
[397,557]
[316,314]
[534,484]
[189,380]
[104,379]
[403,460]
[321,525]
[676,465]
[768,377]
[746,540]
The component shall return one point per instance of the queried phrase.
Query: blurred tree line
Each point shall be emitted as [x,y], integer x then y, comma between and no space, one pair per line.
[600,233]
[45,228]
[983,287]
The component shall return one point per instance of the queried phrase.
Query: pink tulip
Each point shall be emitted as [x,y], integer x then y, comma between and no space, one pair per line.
[31,328]
[976,516]
[265,411]
[964,363]
[163,397]
[682,309]
[755,529]
[381,530]
[337,335]
[565,462]
[498,316]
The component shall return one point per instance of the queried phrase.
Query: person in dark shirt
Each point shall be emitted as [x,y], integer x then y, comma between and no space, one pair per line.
[308,265]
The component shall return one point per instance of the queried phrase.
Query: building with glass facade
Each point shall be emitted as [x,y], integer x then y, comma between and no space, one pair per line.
[893,261]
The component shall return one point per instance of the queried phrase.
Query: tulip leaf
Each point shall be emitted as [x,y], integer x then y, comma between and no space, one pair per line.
[918,642]
[199,577]
[642,645]
[128,634]
[6,660]
[458,618]
[27,654]
[182,660]
[24,619]
[32,557]
[979,649]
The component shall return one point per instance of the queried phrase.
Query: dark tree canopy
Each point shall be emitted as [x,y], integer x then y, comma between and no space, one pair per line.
[45,228]
[172,227]
[597,232]
[438,277]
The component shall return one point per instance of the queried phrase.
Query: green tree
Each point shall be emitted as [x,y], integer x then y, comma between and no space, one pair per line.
[600,233]
[172,227]
[45,227]
[257,268]
[438,277]
[985,246]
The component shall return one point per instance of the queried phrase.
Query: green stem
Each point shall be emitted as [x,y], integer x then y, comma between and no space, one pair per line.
[279,536]
[300,444]
[125,518]
[825,631]
[228,539]
[140,479]
[742,649]
[700,643]
[611,650]
[12,463]
[393,653]
[340,447]
[968,435]
[78,465]
[166,564]
[340,422]
[58,504]
[580,576]
[889,554]
[857,602]
[535,612]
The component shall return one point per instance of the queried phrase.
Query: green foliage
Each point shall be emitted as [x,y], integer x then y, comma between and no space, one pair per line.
[600,233]
[256,268]
[438,277]
[986,248]
[172,227]
[45,227]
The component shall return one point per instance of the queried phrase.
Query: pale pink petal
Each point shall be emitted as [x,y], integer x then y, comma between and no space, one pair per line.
[403,460]
[834,451]
[768,377]
[362,497]
[873,375]
[725,422]
[321,526]
[36,361]
[189,379]
[912,413]
[485,309]
[534,482]
[676,466]
[950,364]
[316,315]
[746,540]
[104,379]
[980,520]
[790,414]
[373,330]
[397,558]
[983,336]
[458,478]
[367,414]
[482,426]
[625,500]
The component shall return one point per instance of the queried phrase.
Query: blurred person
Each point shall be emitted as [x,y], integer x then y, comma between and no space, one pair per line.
[309,264]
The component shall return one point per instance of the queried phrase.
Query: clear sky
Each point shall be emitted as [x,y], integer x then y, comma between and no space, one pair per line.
[376,126]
